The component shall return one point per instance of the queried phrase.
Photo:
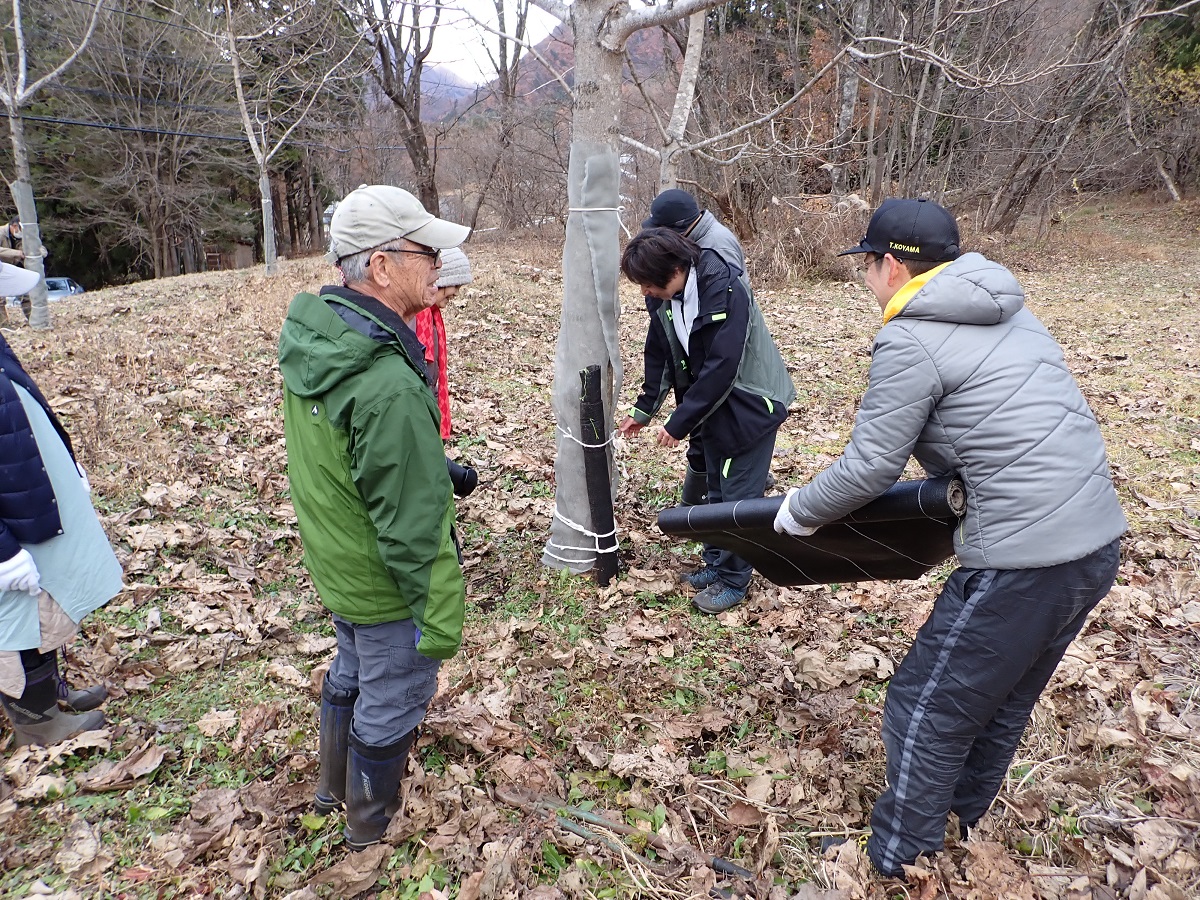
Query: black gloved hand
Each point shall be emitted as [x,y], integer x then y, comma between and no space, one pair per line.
[463,478]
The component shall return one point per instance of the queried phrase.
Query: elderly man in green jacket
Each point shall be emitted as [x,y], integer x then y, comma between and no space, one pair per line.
[372,495]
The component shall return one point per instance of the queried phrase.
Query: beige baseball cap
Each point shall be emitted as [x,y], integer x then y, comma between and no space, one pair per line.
[15,281]
[374,214]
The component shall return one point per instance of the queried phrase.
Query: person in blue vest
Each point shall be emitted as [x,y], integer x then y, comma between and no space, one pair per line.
[56,564]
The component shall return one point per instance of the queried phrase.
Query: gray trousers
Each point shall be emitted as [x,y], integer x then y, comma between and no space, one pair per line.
[959,703]
[394,682]
[742,477]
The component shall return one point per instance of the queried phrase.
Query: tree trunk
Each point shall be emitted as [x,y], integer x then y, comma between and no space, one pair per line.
[849,100]
[880,149]
[192,252]
[31,236]
[316,231]
[423,163]
[867,164]
[1167,180]
[291,191]
[590,313]
[685,95]
[268,221]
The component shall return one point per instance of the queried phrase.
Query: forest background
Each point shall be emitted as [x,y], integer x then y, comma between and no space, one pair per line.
[1063,135]
[147,152]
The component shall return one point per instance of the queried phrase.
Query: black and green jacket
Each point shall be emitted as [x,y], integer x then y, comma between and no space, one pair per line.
[367,468]
[730,379]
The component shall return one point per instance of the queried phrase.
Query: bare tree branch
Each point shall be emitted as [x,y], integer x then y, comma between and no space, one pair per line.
[560,11]
[18,95]
[625,25]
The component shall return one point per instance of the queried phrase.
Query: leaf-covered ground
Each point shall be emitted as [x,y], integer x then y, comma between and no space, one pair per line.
[672,737]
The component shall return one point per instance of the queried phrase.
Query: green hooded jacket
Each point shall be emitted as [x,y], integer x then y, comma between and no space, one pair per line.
[368,470]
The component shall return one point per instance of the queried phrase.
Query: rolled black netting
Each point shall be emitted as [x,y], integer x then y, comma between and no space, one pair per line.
[901,534]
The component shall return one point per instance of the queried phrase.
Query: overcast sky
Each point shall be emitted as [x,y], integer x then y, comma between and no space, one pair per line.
[459,42]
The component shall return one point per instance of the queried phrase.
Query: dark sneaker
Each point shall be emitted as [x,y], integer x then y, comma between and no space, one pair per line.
[833,840]
[770,485]
[700,579]
[718,597]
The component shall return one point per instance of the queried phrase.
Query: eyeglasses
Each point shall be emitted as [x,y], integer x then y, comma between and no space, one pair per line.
[435,255]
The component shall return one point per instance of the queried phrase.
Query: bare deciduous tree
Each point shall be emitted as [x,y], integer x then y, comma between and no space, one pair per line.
[505,58]
[401,34]
[143,181]
[588,331]
[283,59]
[17,90]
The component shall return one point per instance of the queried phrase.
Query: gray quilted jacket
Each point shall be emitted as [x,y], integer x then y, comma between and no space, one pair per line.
[710,234]
[967,380]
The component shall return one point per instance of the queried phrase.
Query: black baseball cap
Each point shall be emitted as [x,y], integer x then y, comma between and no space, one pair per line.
[911,229]
[673,209]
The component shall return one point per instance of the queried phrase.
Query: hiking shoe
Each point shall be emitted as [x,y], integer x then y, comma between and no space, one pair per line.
[718,597]
[700,579]
[833,840]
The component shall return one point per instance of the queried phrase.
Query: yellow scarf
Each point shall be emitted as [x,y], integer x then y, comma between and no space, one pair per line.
[907,292]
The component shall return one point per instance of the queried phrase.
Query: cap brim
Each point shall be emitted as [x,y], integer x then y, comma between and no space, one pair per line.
[863,247]
[648,223]
[439,234]
[15,281]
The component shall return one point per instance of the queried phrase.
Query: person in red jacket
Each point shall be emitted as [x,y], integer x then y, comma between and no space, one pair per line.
[431,329]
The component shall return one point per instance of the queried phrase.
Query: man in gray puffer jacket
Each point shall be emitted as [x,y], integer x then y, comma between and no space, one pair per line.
[967,380]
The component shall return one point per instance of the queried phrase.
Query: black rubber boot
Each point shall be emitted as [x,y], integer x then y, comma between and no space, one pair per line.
[373,776]
[695,488]
[337,711]
[81,701]
[78,701]
[35,716]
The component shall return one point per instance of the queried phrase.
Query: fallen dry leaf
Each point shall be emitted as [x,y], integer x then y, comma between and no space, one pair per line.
[357,872]
[108,775]
[216,721]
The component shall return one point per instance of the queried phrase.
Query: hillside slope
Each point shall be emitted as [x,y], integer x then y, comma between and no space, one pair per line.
[747,736]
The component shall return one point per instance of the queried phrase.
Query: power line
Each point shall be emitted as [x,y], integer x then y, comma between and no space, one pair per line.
[124,12]
[145,101]
[106,126]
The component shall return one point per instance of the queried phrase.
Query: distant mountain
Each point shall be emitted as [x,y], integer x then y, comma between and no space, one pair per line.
[442,92]
[649,50]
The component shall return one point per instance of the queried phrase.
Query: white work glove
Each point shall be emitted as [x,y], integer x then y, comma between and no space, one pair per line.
[20,573]
[785,524]
[87,485]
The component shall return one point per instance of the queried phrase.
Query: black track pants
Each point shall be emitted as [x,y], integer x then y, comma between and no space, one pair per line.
[959,703]
[741,477]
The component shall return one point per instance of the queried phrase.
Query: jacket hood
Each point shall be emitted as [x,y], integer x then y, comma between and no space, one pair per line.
[317,350]
[702,227]
[972,290]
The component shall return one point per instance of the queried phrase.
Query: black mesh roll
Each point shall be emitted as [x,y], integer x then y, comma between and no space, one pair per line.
[900,534]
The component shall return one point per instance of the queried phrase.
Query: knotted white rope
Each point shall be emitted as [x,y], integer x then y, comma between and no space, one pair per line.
[595,550]
[617,209]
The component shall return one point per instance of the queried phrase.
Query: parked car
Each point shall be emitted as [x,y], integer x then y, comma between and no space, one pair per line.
[61,288]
